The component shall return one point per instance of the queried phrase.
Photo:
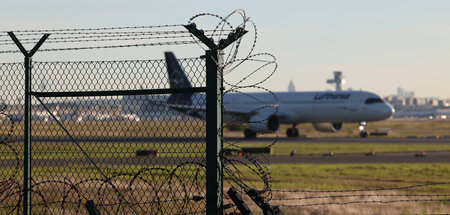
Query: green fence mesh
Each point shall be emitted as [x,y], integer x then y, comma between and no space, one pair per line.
[127,153]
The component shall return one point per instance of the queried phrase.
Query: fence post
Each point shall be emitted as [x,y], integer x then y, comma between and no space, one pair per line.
[214,94]
[214,117]
[27,140]
[27,120]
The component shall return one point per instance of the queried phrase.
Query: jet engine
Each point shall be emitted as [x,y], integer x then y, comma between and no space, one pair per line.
[261,123]
[328,126]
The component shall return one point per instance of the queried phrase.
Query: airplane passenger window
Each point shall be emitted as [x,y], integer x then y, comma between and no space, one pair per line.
[373,100]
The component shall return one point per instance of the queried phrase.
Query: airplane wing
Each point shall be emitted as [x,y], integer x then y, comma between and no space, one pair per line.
[199,111]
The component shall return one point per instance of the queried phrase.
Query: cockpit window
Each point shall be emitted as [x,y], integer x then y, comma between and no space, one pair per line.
[373,100]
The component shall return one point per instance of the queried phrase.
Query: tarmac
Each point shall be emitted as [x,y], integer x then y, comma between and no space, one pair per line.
[428,157]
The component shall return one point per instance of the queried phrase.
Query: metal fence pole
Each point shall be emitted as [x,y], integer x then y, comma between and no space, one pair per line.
[27,120]
[214,109]
[27,140]
[214,98]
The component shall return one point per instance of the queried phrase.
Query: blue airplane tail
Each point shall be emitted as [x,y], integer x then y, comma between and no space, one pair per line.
[177,79]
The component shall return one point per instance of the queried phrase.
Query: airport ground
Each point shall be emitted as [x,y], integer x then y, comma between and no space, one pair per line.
[397,163]
[394,164]
[323,177]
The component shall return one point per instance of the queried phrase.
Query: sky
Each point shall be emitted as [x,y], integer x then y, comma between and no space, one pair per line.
[378,45]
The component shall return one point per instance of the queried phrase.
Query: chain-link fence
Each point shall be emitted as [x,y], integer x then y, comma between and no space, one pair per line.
[11,145]
[125,137]
[127,153]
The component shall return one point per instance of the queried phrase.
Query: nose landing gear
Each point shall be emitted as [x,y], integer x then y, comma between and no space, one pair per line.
[362,128]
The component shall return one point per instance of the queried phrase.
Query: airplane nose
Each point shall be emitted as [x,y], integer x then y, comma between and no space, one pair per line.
[388,111]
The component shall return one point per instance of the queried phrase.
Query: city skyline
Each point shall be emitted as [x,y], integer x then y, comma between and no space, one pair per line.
[378,45]
[401,92]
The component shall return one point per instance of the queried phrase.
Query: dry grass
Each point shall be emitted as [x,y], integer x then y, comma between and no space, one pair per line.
[365,208]
[330,204]
[358,176]
[151,192]
[54,193]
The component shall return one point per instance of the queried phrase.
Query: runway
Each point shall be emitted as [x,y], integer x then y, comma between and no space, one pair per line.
[429,157]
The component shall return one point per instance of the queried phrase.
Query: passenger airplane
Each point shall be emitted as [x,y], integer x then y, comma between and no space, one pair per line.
[326,110]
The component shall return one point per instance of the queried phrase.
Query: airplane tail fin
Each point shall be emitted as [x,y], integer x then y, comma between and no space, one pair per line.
[177,79]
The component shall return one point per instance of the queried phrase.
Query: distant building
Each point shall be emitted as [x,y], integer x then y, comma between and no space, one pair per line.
[400,92]
[291,87]
[433,102]
[397,102]
[406,94]
[409,94]
[419,101]
[407,105]
[443,103]
[409,101]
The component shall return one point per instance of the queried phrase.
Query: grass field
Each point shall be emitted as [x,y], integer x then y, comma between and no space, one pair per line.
[357,176]
[302,148]
[361,176]
[301,176]
[66,150]
[337,177]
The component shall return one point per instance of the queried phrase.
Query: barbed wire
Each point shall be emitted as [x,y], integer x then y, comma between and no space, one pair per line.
[96,38]
[96,29]
[107,46]
[89,38]
[27,36]
[232,62]
[233,59]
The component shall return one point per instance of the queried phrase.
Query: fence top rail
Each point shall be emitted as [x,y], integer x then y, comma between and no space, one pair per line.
[120,92]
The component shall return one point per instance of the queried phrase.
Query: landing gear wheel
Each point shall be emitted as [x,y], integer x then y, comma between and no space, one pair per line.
[363,134]
[292,132]
[362,128]
[249,134]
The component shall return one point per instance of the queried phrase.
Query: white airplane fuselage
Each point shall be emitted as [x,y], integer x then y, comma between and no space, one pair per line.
[314,107]
[264,112]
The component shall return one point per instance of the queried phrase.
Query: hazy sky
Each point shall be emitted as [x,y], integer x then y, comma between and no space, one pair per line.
[379,45]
